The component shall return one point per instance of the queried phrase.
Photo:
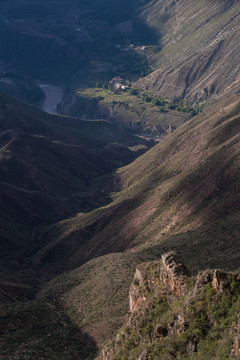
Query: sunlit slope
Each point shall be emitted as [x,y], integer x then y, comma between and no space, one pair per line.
[183,194]
[198,47]
[186,188]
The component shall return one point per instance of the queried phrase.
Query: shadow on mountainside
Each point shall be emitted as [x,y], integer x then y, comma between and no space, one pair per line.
[40,330]
[185,187]
[51,168]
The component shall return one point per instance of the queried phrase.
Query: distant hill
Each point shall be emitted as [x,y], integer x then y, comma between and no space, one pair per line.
[196,48]
[21,87]
[69,42]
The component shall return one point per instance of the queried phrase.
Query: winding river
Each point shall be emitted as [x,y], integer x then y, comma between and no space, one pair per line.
[53,96]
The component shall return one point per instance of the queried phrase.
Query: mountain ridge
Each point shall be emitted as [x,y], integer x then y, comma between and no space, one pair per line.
[85,205]
[138,192]
[198,56]
[37,187]
[181,195]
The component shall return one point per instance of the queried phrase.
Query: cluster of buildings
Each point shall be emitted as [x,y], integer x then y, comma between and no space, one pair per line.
[119,84]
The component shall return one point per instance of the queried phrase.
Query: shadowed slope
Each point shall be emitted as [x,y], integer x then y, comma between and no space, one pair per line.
[183,194]
[49,168]
[186,183]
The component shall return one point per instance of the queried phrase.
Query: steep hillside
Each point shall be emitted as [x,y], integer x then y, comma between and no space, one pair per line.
[38,330]
[183,194]
[197,49]
[186,186]
[175,316]
[52,167]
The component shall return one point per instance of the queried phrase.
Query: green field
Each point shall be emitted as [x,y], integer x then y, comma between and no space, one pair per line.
[134,109]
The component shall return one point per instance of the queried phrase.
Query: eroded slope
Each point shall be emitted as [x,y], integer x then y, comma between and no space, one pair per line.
[199,47]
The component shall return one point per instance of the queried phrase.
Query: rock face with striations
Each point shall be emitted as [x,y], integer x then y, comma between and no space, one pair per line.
[173,314]
[198,57]
[173,273]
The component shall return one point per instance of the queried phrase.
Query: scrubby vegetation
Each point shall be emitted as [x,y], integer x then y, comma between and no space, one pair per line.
[181,195]
[74,222]
[196,51]
[202,323]
[132,108]
[38,330]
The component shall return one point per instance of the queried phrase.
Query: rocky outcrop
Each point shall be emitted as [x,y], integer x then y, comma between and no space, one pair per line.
[169,272]
[136,297]
[219,280]
[174,274]
[172,313]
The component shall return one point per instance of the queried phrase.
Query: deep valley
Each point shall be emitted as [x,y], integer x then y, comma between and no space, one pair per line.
[119,180]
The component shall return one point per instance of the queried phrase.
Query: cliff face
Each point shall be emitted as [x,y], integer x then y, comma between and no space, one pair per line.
[124,115]
[173,315]
[171,274]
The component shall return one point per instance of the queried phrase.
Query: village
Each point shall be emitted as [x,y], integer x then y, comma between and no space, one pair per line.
[117,83]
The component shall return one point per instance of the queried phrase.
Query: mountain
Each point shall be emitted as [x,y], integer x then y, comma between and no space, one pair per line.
[194,49]
[186,184]
[182,195]
[66,42]
[85,204]
[52,167]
